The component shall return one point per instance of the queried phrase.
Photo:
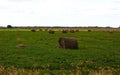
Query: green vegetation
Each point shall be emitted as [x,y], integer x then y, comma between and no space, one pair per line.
[97,50]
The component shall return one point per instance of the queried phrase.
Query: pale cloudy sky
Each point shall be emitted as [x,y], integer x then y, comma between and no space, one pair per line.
[60,13]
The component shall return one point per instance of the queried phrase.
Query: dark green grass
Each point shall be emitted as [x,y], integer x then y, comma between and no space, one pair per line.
[96,50]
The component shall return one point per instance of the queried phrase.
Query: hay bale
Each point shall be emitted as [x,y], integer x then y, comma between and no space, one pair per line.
[46,29]
[77,30]
[64,31]
[51,31]
[72,31]
[33,30]
[89,30]
[40,29]
[68,43]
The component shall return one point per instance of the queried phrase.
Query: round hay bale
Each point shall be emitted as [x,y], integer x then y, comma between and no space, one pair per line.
[64,31]
[89,30]
[77,30]
[33,30]
[40,29]
[46,29]
[51,31]
[72,31]
[68,43]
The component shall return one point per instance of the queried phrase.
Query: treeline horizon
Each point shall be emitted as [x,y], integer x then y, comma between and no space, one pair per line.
[10,26]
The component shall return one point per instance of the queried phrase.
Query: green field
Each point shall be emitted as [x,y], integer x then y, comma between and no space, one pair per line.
[97,50]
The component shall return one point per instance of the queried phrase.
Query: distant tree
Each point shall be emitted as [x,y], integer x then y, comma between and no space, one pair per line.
[108,27]
[9,26]
[119,27]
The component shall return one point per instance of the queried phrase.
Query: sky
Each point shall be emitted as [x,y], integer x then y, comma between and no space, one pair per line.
[60,13]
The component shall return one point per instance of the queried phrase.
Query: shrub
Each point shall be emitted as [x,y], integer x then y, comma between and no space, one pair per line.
[9,26]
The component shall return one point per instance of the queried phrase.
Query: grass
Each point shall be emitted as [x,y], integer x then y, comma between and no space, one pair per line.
[97,50]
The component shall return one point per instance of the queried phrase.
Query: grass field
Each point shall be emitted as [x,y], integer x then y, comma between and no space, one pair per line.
[97,50]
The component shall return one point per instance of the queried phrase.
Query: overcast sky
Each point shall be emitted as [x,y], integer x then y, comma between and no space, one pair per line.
[60,13]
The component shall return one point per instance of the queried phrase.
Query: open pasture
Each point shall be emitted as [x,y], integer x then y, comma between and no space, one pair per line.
[97,50]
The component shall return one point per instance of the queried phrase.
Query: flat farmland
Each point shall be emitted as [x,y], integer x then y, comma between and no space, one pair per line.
[97,50]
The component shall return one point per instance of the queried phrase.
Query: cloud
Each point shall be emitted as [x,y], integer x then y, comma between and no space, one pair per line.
[116,1]
[59,12]
[19,0]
